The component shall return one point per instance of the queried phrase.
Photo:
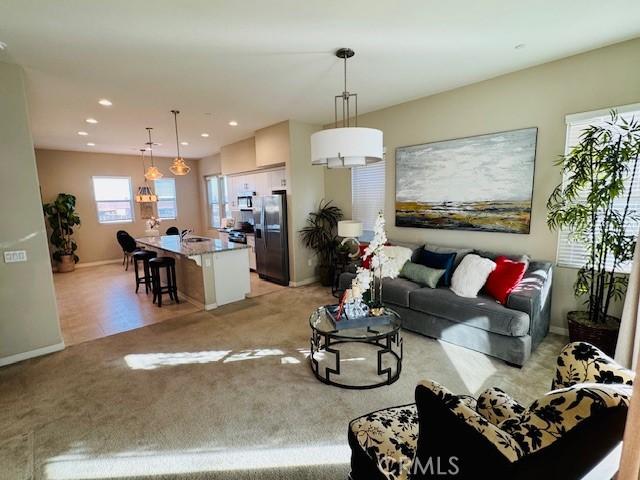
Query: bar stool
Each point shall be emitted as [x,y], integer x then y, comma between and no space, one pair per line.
[171,287]
[143,256]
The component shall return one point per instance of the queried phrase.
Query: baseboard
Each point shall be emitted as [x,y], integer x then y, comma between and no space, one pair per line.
[559,330]
[192,301]
[306,281]
[95,264]
[19,357]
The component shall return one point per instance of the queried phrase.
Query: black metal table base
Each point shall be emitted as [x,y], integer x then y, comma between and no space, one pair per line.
[323,342]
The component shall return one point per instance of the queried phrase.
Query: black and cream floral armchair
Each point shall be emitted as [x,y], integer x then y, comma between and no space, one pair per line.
[561,435]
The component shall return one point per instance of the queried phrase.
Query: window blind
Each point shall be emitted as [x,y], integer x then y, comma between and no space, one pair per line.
[571,253]
[167,204]
[367,193]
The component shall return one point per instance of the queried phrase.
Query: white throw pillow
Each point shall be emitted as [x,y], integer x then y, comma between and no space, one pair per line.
[396,258]
[471,275]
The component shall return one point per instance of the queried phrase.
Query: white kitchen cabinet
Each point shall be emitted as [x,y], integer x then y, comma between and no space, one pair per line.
[263,187]
[278,179]
[251,243]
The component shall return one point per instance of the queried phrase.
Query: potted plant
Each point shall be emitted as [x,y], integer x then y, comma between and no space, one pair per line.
[62,217]
[320,235]
[593,205]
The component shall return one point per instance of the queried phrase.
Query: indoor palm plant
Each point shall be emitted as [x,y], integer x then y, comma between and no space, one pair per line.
[62,217]
[321,235]
[593,205]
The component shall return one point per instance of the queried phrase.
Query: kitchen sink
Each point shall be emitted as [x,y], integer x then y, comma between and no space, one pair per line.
[196,239]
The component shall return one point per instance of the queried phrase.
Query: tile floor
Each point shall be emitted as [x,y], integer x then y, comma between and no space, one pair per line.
[96,302]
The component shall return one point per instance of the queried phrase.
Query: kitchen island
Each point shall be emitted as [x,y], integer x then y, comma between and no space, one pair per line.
[209,272]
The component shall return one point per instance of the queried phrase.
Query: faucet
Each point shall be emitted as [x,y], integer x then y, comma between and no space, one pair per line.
[185,233]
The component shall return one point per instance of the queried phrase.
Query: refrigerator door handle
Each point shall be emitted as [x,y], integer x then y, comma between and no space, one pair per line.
[266,227]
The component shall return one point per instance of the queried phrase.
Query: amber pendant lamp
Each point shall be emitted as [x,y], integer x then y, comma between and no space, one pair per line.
[152,172]
[179,166]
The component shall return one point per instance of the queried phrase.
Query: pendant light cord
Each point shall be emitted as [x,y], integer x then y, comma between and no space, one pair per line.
[175,121]
[150,145]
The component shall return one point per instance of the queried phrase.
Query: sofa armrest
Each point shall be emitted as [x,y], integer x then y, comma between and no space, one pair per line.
[533,297]
[581,362]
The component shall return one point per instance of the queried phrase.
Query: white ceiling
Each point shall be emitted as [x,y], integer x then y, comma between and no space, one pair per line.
[263,61]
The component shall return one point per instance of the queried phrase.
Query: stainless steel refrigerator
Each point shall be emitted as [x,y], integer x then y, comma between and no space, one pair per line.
[272,246]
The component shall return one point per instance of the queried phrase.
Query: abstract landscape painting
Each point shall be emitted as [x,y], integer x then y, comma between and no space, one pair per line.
[482,183]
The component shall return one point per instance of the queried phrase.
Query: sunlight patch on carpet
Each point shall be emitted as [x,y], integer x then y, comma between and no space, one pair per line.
[473,368]
[148,463]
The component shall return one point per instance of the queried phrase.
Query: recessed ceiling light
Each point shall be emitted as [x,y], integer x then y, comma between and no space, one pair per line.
[91,144]
[204,135]
[184,143]
[91,120]
[84,134]
[520,46]
[104,102]
[233,123]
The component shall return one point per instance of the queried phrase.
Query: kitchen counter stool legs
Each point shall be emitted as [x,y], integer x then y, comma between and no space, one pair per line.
[171,287]
[143,256]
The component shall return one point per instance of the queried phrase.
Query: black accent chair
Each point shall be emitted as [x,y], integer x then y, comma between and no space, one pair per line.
[562,435]
[172,231]
[129,246]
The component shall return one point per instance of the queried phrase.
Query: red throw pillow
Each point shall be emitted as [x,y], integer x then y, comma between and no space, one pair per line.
[504,278]
[365,263]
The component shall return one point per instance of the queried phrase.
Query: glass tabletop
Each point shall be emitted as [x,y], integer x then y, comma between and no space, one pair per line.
[321,322]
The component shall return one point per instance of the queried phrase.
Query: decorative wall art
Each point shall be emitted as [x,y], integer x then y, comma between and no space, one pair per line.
[481,183]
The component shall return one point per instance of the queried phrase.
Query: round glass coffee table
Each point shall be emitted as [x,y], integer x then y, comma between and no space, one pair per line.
[343,357]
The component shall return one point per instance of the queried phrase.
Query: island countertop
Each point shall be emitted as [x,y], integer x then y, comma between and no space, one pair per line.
[173,244]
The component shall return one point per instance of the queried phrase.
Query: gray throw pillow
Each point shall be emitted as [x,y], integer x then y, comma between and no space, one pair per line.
[420,274]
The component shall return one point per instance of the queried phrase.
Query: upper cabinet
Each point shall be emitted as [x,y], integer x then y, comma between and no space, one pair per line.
[272,145]
[238,157]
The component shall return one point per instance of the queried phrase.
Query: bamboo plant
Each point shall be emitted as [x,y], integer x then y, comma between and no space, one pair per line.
[593,205]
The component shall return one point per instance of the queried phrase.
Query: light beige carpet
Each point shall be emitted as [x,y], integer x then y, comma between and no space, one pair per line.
[226,394]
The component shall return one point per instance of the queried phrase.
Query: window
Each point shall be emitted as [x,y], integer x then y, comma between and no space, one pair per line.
[166,192]
[367,194]
[217,200]
[571,254]
[113,199]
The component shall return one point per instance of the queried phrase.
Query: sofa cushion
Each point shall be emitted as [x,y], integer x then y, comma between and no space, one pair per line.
[471,275]
[460,252]
[506,276]
[482,312]
[396,291]
[389,438]
[439,261]
[420,274]
[497,406]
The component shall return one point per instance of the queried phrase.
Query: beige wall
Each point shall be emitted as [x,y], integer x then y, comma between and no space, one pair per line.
[71,172]
[207,166]
[306,190]
[28,314]
[238,157]
[536,97]
[272,145]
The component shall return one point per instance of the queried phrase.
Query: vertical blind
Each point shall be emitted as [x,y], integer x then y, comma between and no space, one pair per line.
[570,253]
[367,194]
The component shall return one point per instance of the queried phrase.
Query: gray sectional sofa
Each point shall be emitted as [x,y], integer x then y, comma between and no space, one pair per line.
[509,332]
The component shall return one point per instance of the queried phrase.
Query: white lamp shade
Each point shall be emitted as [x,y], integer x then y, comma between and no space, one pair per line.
[349,229]
[346,147]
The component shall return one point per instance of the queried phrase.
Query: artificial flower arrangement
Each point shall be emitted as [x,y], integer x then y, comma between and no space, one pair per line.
[153,223]
[352,303]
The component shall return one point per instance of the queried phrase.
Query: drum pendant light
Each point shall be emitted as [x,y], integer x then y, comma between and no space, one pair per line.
[346,146]
[145,195]
[178,167]
[152,172]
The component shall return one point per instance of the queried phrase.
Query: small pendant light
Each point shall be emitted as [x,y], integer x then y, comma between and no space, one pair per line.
[152,172]
[178,167]
[145,195]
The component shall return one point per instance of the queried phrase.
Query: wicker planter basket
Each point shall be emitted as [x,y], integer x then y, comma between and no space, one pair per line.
[602,336]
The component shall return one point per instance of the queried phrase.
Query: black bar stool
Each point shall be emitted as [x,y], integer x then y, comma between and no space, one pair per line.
[171,287]
[143,256]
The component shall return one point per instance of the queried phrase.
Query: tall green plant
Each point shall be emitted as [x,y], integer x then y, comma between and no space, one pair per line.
[62,217]
[593,205]
[320,234]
